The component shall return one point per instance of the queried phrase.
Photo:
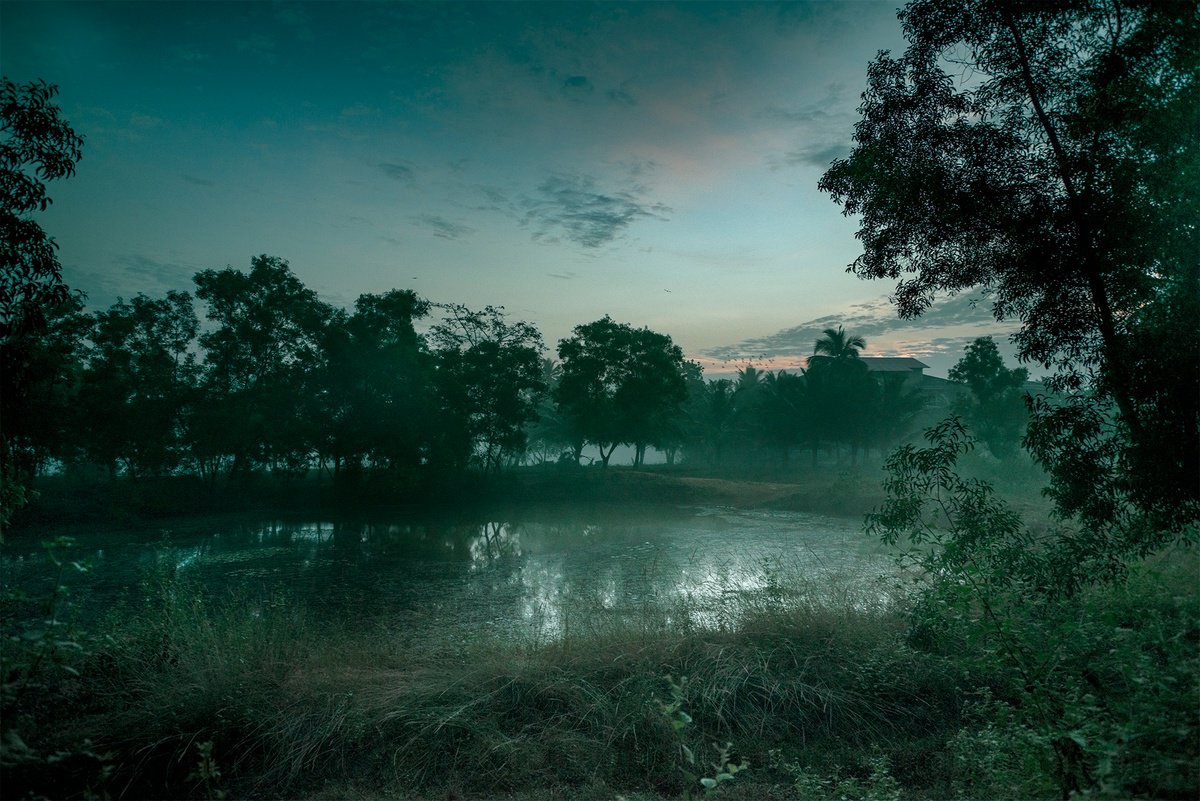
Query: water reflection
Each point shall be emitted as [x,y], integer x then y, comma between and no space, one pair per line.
[531,579]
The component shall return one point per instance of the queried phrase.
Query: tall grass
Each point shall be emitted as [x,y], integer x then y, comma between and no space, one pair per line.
[818,687]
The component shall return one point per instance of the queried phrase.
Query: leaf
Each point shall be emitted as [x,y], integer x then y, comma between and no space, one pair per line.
[708,783]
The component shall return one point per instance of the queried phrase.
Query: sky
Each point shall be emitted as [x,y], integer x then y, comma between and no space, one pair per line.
[655,162]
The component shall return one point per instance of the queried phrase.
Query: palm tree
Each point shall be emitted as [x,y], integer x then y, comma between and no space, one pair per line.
[839,392]
[837,346]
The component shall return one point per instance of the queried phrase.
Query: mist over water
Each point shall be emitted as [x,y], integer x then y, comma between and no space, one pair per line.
[527,580]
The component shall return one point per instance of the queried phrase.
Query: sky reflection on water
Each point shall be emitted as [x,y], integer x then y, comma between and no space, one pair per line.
[512,579]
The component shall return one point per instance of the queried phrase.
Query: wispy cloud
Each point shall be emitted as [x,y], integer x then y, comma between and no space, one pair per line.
[573,207]
[260,46]
[577,87]
[441,227]
[191,179]
[187,53]
[817,155]
[359,110]
[950,322]
[139,120]
[129,274]
[295,17]
[398,172]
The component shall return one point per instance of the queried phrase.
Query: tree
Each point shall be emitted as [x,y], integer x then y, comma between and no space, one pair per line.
[38,146]
[551,435]
[620,384]
[261,352]
[40,370]
[137,383]
[715,415]
[836,346]
[997,411]
[1061,176]
[374,385]
[489,375]
[841,395]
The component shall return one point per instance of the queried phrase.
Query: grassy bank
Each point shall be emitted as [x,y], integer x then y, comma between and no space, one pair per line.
[823,692]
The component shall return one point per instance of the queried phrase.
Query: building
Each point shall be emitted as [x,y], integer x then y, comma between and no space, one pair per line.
[912,370]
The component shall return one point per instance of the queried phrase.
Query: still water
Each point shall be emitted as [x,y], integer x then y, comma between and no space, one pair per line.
[520,578]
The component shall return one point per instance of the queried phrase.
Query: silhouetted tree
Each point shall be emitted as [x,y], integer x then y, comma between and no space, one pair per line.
[996,412]
[374,396]
[781,412]
[620,384]
[552,435]
[489,375]
[840,396]
[139,377]
[715,417]
[262,350]
[40,377]
[38,146]
[897,405]
[681,428]
[1065,178]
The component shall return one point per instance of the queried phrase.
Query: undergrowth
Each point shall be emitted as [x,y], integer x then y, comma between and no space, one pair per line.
[833,697]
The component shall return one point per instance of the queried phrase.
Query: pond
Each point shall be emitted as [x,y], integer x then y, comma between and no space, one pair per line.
[521,578]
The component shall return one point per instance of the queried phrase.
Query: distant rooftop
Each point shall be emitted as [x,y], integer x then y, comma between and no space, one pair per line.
[892,364]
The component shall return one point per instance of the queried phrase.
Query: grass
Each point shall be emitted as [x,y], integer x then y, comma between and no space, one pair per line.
[818,688]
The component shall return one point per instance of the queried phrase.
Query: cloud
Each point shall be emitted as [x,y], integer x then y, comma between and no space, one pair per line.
[263,47]
[567,276]
[191,179]
[442,227]
[398,172]
[577,87]
[950,322]
[130,274]
[187,53]
[296,17]
[570,205]
[359,110]
[138,120]
[818,155]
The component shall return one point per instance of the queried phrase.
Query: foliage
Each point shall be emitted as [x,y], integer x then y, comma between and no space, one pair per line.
[137,383]
[620,384]
[489,379]
[40,371]
[1038,615]
[724,769]
[997,413]
[1061,177]
[265,336]
[44,653]
[878,785]
[38,146]
[841,392]
[372,394]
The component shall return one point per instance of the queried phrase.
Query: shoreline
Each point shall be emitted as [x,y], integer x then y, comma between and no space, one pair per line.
[66,502]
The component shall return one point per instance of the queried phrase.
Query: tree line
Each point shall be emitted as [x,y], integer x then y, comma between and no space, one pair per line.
[275,379]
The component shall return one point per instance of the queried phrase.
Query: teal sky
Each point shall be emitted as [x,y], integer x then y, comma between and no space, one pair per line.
[654,162]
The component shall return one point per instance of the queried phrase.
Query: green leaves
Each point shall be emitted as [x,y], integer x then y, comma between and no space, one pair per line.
[723,770]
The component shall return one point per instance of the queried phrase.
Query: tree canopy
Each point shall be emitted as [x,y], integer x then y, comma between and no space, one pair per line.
[37,146]
[997,409]
[1047,154]
[620,384]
